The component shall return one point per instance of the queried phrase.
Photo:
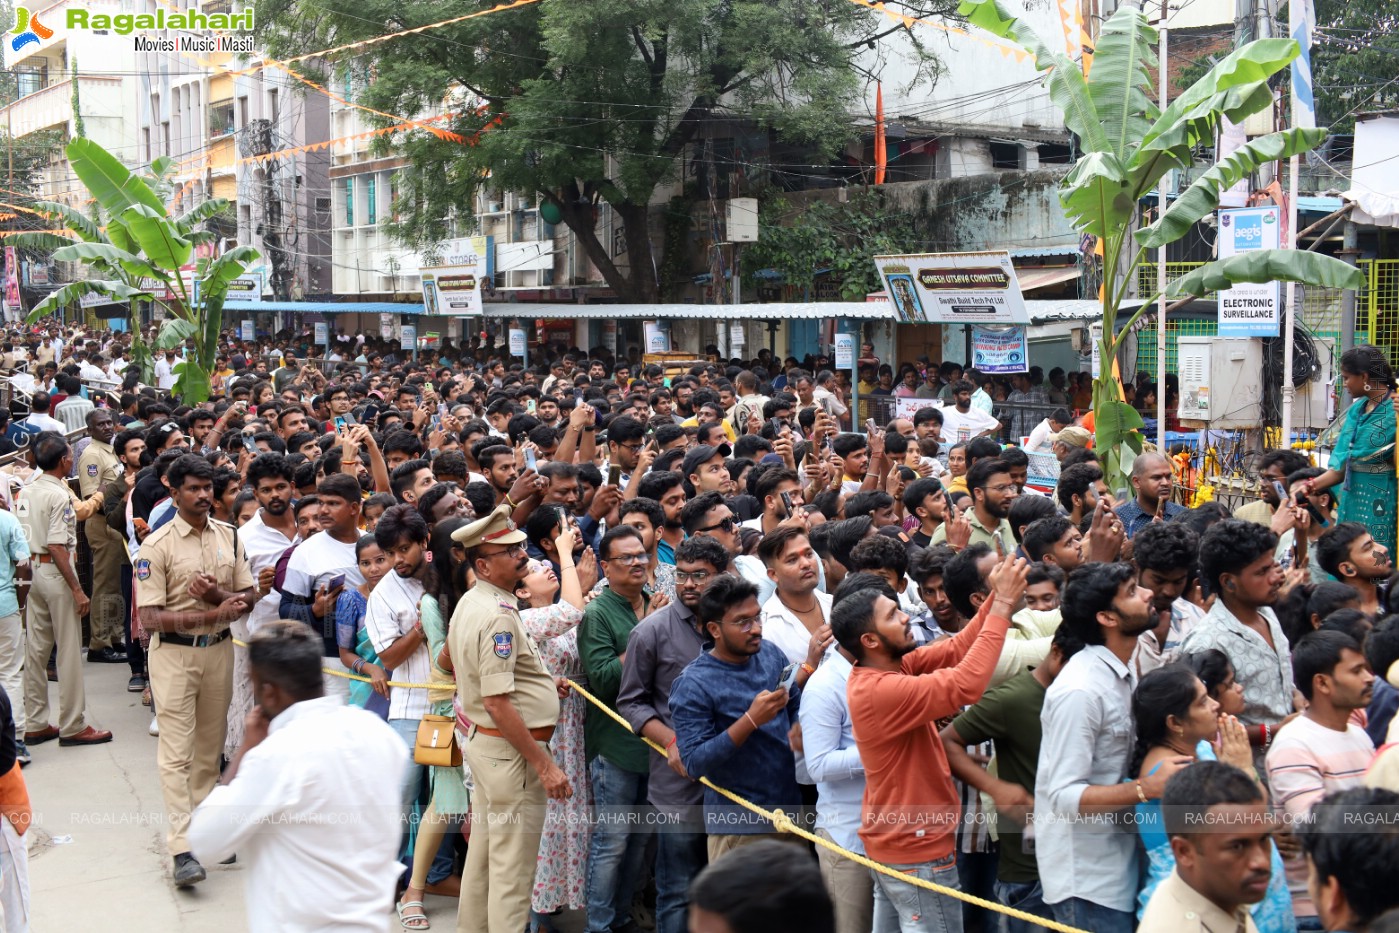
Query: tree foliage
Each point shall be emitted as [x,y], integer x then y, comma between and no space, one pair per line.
[1129,144]
[1355,59]
[826,238]
[592,103]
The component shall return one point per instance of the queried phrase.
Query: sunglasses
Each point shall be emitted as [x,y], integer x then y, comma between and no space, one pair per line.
[725,525]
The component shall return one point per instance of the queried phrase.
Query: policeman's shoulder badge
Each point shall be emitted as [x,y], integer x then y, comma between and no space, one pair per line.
[92,469]
[504,644]
[143,569]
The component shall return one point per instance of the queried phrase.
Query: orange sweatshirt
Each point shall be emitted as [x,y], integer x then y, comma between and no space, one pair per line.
[911,808]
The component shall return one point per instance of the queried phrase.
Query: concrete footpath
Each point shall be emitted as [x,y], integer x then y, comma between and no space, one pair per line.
[97,856]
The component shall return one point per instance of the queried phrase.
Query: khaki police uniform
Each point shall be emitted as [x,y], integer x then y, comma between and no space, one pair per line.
[1176,907]
[97,467]
[191,671]
[493,656]
[45,510]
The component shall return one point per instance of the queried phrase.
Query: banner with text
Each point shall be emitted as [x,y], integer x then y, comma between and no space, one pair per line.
[452,285]
[1000,351]
[954,288]
[1250,309]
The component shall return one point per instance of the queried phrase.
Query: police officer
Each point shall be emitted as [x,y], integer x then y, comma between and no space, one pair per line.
[192,581]
[97,467]
[513,702]
[56,599]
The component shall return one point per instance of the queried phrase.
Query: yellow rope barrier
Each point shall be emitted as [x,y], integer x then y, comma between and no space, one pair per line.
[780,820]
[783,823]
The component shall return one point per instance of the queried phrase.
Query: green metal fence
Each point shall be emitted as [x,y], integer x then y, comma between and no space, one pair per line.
[1376,311]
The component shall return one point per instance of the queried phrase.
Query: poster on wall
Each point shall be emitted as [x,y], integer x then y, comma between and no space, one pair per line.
[408,339]
[657,337]
[954,288]
[1003,350]
[1250,309]
[845,351]
[245,289]
[517,342]
[322,333]
[453,284]
[246,331]
[12,278]
[386,326]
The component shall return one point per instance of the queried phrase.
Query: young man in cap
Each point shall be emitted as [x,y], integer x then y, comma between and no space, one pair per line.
[513,702]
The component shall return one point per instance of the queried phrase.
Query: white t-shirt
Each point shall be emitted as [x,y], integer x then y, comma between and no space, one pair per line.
[959,427]
[318,560]
[391,613]
[264,545]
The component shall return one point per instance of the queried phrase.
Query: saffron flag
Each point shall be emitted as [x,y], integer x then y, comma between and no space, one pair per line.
[881,158]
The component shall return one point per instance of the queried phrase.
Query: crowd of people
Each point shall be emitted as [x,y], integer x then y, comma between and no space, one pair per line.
[359,590]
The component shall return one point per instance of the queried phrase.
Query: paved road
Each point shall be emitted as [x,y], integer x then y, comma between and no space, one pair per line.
[114,875]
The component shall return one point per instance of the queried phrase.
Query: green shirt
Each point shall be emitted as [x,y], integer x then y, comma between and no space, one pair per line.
[981,534]
[1009,715]
[602,640]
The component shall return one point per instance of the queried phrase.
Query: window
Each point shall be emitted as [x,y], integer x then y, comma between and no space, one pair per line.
[370,200]
[31,80]
[221,119]
[393,197]
[349,202]
[349,90]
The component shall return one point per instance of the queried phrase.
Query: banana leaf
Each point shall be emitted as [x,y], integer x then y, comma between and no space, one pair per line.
[71,292]
[1267,265]
[158,237]
[107,180]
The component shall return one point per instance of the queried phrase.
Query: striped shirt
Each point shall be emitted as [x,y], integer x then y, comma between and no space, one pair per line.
[1306,762]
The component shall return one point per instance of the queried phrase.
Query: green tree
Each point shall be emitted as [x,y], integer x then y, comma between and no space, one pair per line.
[1128,144]
[836,239]
[591,103]
[1355,60]
[139,252]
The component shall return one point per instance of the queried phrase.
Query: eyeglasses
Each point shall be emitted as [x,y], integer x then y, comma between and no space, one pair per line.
[699,576]
[725,525]
[512,550]
[632,447]
[747,625]
[642,559]
[1001,490]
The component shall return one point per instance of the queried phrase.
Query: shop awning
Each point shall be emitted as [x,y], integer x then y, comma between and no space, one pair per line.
[774,311]
[1031,277]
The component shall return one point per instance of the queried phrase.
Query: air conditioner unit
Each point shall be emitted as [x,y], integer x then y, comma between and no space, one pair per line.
[323,205]
[1221,382]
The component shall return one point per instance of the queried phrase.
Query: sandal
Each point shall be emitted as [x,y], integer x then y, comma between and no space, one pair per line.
[146,697]
[418,921]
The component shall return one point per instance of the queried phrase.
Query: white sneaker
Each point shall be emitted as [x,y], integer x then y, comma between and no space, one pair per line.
[155,726]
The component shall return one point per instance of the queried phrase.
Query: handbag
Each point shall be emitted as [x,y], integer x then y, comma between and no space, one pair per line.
[436,744]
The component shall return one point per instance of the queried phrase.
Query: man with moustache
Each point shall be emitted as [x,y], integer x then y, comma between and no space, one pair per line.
[993,492]
[269,533]
[658,649]
[1221,836]
[192,581]
[97,467]
[513,703]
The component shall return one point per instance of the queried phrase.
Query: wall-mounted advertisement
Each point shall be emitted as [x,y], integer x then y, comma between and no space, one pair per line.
[453,285]
[954,288]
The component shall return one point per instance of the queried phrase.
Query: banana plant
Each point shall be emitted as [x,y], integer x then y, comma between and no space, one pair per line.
[1128,144]
[139,253]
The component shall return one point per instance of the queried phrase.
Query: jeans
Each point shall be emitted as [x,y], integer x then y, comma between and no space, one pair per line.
[977,873]
[615,852]
[907,908]
[1309,925]
[1086,915]
[1028,897]
[410,793]
[680,856]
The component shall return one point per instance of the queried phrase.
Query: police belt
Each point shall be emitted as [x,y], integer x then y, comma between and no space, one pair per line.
[194,641]
[539,733]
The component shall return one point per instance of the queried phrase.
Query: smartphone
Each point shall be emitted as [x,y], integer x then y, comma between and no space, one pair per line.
[336,582]
[371,412]
[1320,519]
[250,445]
[531,463]
[530,406]
[614,474]
[252,409]
[1282,493]
[788,680]
[826,443]
[787,503]
[428,387]
[341,425]
[776,427]
[870,426]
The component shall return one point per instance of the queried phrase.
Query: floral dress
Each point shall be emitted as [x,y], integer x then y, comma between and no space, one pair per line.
[560,880]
